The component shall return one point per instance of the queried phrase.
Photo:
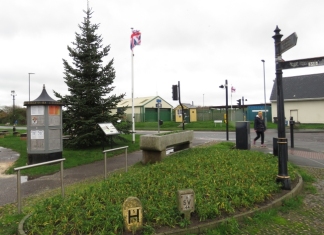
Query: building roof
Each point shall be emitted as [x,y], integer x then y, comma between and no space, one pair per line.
[139,101]
[189,106]
[42,99]
[44,96]
[301,87]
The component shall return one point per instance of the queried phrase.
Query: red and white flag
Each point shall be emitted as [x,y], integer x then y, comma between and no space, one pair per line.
[135,39]
[233,89]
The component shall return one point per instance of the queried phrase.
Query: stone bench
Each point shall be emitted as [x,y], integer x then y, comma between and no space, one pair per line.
[154,146]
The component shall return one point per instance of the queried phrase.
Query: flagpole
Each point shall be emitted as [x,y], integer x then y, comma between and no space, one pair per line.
[135,40]
[133,115]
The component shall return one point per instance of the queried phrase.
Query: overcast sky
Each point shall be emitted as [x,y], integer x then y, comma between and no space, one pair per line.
[200,43]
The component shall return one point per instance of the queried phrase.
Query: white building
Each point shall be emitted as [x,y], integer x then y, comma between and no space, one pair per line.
[303,98]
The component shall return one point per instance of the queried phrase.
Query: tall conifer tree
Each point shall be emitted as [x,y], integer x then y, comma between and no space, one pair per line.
[89,83]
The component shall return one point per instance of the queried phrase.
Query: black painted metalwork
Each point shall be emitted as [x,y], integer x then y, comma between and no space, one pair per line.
[175,92]
[282,176]
[291,124]
[302,63]
[226,94]
[182,109]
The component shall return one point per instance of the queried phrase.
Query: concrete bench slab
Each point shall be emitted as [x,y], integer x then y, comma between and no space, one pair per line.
[154,146]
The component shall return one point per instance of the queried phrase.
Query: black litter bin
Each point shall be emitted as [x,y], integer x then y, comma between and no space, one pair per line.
[243,135]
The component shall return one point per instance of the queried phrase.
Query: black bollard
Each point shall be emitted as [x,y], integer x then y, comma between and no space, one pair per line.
[291,123]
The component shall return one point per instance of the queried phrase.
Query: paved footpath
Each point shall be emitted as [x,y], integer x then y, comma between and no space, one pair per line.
[8,183]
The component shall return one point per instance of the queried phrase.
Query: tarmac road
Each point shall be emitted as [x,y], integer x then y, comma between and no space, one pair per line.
[308,144]
[308,151]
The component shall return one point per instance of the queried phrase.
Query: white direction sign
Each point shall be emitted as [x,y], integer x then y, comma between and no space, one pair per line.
[288,43]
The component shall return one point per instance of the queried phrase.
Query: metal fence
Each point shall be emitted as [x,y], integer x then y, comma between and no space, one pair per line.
[218,114]
[110,150]
[204,115]
[18,169]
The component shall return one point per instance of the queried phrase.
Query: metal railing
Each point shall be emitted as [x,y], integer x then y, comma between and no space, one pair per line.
[18,169]
[110,150]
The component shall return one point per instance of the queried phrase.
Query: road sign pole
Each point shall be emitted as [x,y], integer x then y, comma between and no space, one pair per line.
[182,110]
[282,176]
[158,106]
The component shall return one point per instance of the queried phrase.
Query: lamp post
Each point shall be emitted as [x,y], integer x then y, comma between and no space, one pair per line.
[265,103]
[226,94]
[29,84]
[244,118]
[13,110]
[203,107]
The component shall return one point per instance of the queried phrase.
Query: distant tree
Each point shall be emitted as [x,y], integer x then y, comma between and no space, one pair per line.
[6,115]
[20,114]
[89,84]
[3,116]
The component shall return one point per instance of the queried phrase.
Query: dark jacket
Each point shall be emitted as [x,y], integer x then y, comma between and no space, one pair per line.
[259,124]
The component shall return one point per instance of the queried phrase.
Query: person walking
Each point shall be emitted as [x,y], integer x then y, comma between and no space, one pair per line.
[259,128]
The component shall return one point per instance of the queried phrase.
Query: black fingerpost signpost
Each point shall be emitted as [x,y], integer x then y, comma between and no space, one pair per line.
[280,48]
[282,176]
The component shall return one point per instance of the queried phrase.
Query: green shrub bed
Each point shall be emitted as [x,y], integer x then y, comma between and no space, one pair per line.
[224,180]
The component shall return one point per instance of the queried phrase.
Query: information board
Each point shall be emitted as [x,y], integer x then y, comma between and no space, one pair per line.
[108,128]
[37,110]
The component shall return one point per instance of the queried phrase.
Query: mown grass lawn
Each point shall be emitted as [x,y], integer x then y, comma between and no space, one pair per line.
[74,157]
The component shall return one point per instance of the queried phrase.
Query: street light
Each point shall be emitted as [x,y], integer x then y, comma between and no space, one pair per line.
[265,104]
[243,107]
[29,84]
[203,107]
[226,90]
[13,110]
